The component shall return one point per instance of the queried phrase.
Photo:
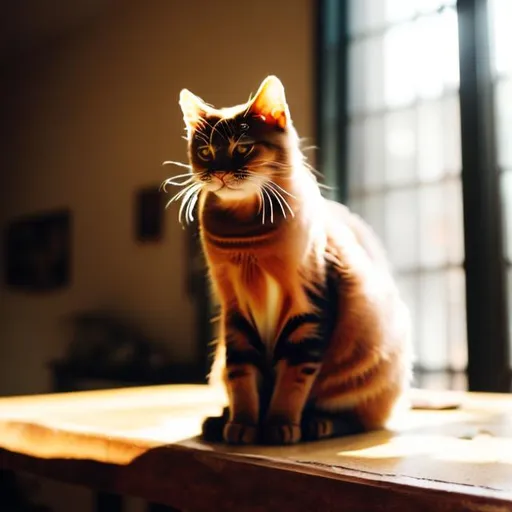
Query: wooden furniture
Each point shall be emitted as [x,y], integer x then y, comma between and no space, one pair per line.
[68,377]
[141,442]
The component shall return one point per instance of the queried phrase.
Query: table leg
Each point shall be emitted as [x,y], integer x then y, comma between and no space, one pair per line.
[107,502]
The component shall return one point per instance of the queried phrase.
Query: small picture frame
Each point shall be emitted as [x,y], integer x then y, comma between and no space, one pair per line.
[149,214]
[37,250]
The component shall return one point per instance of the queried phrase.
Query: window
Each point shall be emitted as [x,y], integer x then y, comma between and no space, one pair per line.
[500,24]
[390,135]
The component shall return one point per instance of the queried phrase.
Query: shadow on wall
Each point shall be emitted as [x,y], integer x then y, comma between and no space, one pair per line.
[90,117]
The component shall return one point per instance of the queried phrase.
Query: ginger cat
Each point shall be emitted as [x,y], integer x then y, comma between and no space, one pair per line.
[314,337]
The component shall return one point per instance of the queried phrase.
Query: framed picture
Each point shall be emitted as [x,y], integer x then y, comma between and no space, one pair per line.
[37,251]
[149,214]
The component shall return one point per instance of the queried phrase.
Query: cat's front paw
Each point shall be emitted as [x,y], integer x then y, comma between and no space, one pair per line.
[213,428]
[281,433]
[240,433]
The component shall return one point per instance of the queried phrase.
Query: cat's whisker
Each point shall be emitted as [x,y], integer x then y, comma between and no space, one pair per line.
[275,188]
[186,202]
[181,193]
[273,192]
[264,208]
[240,138]
[270,163]
[187,197]
[282,189]
[170,181]
[255,178]
[312,169]
[201,136]
[190,208]
[215,129]
[250,173]
[279,195]
[264,190]
[262,203]
[249,105]
[184,175]
[179,164]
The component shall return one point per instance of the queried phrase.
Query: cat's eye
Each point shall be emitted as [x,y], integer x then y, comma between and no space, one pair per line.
[244,149]
[205,153]
[244,127]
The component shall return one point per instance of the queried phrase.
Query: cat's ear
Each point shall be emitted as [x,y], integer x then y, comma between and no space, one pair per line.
[193,109]
[269,103]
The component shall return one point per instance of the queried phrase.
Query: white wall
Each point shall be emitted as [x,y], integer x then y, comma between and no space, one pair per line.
[90,119]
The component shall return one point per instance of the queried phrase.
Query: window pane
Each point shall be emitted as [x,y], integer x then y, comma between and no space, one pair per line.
[504,119]
[365,68]
[370,15]
[356,148]
[451,135]
[500,17]
[400,147]
[356,76]
[447,35]
[433,228]
[436,41]
[460,382]
[441,224]
[404,160]
[356,206]
[428,6]
[430,141]
[357,19]
[506,187]
[373,171]
[454,221]
[373,213]
[399,57]
[365,15]
[402,228]
[399,10]
[374,73]
[421,58]
[408,287]
[439,146]
[433,321]
[458,351]
[429,78]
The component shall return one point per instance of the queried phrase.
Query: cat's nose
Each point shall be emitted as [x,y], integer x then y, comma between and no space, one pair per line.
[220,175]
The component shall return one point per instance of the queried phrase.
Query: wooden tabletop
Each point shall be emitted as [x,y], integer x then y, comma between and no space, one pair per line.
[142,442]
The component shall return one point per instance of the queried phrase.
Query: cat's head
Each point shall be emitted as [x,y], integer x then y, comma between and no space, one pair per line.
[240,151]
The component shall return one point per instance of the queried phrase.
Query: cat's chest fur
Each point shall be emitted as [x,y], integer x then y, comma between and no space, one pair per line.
[259,295]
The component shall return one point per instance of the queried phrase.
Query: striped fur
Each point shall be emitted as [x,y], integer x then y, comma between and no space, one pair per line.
[313,335]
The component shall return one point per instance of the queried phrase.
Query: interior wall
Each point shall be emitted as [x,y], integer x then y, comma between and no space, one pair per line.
[89,118]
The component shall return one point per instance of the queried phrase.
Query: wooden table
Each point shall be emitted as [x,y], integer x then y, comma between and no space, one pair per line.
[141,442]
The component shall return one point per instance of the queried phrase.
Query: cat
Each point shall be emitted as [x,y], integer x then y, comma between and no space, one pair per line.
[314,338]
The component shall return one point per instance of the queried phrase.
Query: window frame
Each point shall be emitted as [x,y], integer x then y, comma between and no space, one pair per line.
[484,264]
